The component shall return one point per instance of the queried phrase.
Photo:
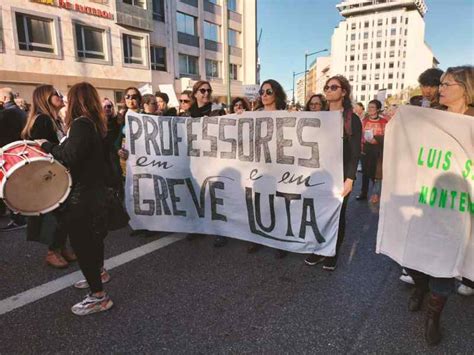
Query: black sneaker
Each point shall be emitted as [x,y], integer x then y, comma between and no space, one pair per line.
[12,226]
[314,259]
[329,263]
[220,241]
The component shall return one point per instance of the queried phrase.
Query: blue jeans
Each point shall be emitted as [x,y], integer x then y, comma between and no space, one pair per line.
[439,286]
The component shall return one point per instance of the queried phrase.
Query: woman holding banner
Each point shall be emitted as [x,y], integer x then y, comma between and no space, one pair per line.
[456,92]
[201,106]
[272,97]
[338,95]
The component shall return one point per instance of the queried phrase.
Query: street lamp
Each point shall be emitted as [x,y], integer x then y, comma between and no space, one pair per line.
[294,75]
[306,55]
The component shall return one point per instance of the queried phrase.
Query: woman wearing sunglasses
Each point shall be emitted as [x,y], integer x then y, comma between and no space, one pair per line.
[201,97]
[316,102]
[83,213]
[201,106]
[456,92]
[272,97]
[185,103]
[338,95]
[44,123]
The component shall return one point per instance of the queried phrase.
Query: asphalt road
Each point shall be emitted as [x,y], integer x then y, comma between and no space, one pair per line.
[189,297]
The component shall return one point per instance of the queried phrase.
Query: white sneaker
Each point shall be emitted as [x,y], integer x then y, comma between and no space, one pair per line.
[82,284]
[406,278]
[465,290]
[92,304]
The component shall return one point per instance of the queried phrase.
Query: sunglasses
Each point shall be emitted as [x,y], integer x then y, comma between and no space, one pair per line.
[131,97]
[331,87]
[56,93]
[269,92]
[108,106]
[203,91]
[184,101]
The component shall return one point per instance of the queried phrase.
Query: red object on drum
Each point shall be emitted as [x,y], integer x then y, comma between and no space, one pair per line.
[31,181]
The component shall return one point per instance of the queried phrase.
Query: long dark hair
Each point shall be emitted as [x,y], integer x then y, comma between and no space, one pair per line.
[280,95]
[83,101]
[346,101]
[321,97]
[40,105]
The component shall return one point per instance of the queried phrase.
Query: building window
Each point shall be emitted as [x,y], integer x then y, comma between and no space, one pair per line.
[391,65]
[390,85]
[362,97]
[393,32]
[392,43]
[376,76]
[158,58]
[351,68]
[379,44]
[380,22]
[394,20]
[353,47]
[353,26]
[364,56]
[35,33]
[390,75]
[366,24]
[186,23]
[362,87]
[379,33]
[138,3]
[351,77]
[353,37]
[377,66]
[211,31]
[364,77]
[233,38]
[352,58]
[392,54]
[90,42]
[377,55]
[406,21]
[188,65]
[376,86]
[366,35]
[232,5]
[159,10]
[233,71]
[132,49]
[365,46]
[212,68]
[364,66]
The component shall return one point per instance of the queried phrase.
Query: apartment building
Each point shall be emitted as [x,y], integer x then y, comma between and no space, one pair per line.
[119,43]
[380,46]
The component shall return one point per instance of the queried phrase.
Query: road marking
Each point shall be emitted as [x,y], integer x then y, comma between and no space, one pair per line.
[44,290]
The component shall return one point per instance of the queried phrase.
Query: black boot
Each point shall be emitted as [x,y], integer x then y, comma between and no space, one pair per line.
[416,299]
[433,314]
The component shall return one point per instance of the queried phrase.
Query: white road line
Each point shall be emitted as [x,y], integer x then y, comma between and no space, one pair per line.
[44,290]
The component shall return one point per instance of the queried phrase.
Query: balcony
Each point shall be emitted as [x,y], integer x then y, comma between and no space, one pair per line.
[212,8]
[213,45]
[235,51]
[188,39]
[190,2]
[234,16]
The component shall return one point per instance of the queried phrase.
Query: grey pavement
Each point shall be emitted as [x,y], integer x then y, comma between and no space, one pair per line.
[192,298]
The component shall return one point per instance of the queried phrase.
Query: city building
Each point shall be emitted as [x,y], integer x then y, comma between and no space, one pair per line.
[114,44]
[380,45]
[299,95]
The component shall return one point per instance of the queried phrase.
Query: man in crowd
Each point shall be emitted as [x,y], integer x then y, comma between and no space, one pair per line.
[12,121]
[429,82]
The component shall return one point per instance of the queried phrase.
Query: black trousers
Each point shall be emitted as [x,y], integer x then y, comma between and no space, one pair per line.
[59,238]
[83,220]
[342,225]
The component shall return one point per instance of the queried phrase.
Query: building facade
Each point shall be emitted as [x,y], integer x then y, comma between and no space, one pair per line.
[115,44]
[380,46]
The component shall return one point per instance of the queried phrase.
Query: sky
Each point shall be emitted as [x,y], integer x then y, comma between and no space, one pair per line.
[292,27]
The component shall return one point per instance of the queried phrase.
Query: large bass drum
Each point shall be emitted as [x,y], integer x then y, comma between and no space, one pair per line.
[31,181]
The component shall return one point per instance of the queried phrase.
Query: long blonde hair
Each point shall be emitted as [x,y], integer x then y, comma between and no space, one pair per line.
[41,105]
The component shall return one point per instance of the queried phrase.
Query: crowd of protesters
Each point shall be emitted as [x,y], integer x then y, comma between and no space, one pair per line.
[93,148]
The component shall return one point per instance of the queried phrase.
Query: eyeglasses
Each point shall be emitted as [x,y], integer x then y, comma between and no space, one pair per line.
[131,97]
[445,85]
[57,93]
[269,92]
[184,101]
[332,87]
[315,104]
[108,106]
[203,91]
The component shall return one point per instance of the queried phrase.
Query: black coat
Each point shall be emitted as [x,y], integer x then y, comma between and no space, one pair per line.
[205,110]
[12,121]
[351,148]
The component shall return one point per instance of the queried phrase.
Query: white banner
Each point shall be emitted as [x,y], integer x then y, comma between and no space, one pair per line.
[274,178]
[426,212]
